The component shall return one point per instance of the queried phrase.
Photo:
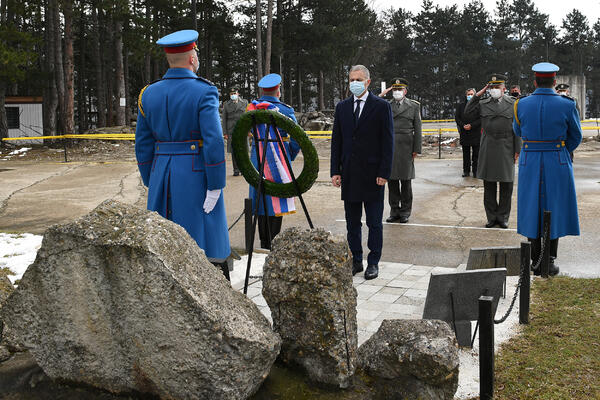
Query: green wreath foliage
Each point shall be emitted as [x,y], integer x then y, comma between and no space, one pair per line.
[240,151]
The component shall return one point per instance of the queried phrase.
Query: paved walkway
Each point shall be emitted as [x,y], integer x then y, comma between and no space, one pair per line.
[398,293]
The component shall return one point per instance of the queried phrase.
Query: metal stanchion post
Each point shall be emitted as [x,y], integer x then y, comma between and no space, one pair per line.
[524,296]
[248,223]
[486,348]
[545,266]
[65,148]
[440,143]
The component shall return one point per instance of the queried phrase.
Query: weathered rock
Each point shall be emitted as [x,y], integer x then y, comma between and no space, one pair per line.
[315,121]
[307,284]
[6,287]
[124,300]
[412,359]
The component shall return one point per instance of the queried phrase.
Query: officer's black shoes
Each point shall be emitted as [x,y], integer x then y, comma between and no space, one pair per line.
[502,224]
[465,174]
[357,267]
[403,219]
[392,219]
[236,173]
[372,271]
[490,224]
[553,269]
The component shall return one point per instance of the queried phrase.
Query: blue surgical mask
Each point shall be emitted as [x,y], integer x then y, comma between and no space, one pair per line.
[469,97]
[357,88]
[234,97]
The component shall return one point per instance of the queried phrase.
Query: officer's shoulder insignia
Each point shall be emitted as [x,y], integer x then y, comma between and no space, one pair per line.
[287,105]
[140,97]
[570,98]
[414,101]
[199,78]
[515,106]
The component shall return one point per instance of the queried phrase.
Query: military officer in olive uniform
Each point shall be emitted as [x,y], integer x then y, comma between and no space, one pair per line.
[232,111]
[407,144]
[499,148]
[564,90]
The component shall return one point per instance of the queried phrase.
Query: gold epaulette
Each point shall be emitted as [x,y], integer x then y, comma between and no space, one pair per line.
[515,111]
[140,100]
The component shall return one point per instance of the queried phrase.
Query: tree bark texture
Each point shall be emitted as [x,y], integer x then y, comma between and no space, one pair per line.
[69,101]
[259,64]
[269,36]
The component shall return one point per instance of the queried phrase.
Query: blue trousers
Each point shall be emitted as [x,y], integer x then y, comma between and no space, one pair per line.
[374,214]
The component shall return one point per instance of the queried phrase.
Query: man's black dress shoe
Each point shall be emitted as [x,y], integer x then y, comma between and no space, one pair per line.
[392,219]
[502,224]
[403,220]
[372,271]
[356,268]
[490,224]
[236,173]
[465,174]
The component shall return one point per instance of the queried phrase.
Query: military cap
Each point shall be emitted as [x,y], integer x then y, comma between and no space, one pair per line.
[179,42]
[399,83]
[496,79]
[233,89]
[545,69]
[562,86]
[271,81]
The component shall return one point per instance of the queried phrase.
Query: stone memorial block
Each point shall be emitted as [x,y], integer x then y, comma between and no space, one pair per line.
[307,284]
[124,300]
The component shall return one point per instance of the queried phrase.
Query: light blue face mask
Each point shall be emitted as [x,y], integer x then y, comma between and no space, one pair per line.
[357,88]
[234,97]
[469,97]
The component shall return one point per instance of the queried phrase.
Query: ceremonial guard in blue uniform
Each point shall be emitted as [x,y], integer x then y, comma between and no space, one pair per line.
[275,167]
[179,148]
[550,128]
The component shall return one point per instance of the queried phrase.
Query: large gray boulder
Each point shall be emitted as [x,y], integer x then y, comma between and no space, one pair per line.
[307,284]
[412,359]
[124,300]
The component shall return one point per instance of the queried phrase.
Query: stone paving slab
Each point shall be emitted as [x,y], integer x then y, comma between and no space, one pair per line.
[398,293]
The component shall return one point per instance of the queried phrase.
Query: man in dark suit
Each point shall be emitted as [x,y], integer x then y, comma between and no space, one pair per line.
[362,147]
[470,135]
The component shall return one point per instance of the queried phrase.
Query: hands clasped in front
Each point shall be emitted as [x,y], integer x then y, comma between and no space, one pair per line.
[336,180]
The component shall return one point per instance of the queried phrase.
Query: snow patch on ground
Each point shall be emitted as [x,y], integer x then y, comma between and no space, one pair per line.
[17,252]
[19,151]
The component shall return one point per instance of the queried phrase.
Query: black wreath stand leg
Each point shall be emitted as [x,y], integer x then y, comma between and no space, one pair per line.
[260,192]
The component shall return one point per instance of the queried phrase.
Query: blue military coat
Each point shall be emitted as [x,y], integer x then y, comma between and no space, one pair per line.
[179,149]
[550,128]
[363,152]
[291,147]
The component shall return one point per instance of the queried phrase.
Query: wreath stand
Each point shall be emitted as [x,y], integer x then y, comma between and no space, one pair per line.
[260,188]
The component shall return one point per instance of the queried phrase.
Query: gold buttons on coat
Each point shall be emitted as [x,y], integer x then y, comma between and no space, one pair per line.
[193,147]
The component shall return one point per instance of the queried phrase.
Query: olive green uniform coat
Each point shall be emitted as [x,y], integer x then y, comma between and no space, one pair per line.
[232,111]
[407,137]
[498,141]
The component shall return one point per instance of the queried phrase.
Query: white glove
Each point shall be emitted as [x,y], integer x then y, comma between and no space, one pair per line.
[212,196]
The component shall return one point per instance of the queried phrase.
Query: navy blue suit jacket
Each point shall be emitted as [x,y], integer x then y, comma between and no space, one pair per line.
[362,152]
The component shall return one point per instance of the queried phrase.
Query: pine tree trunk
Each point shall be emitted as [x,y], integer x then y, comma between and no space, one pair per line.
[119,75]
[59,75]
[100,88]
[298,72]
[321,91]
[3,121]
[127,91]
[81,74]
[69,102]
[259,65]
[50,104]
[269,36]
[147,59]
